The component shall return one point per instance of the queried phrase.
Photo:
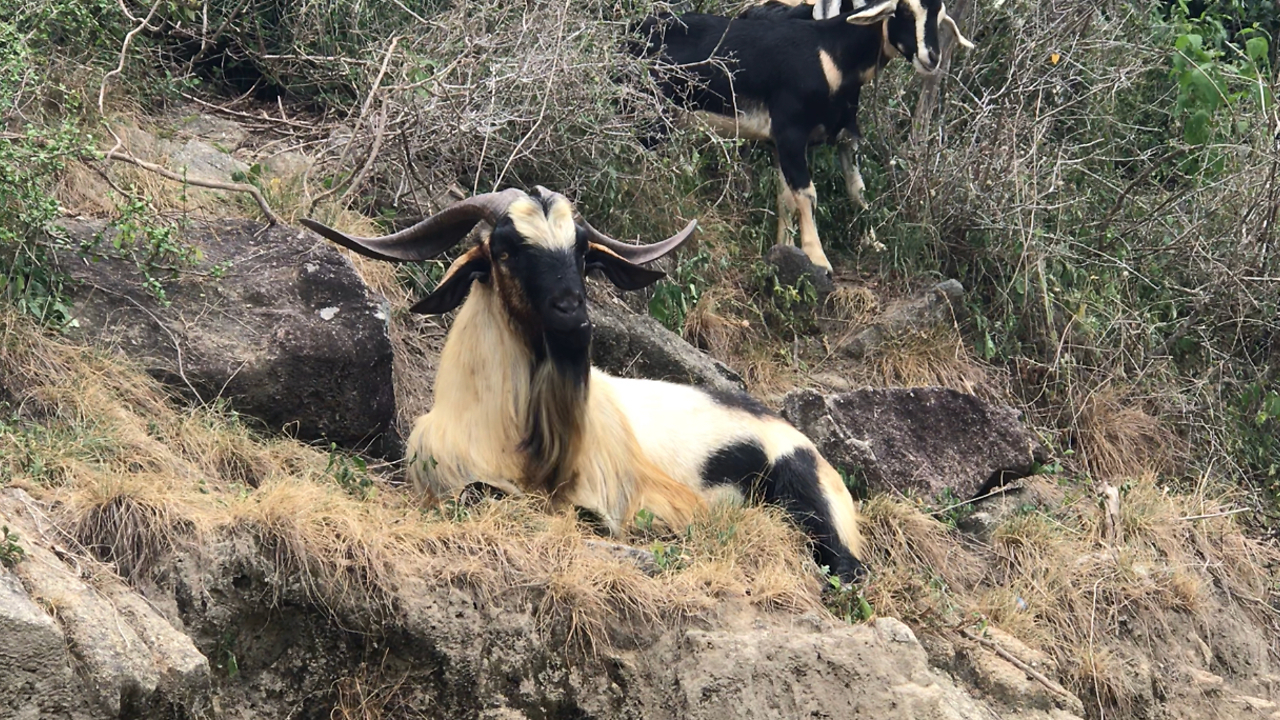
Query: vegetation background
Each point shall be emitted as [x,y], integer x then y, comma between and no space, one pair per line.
[1101,177]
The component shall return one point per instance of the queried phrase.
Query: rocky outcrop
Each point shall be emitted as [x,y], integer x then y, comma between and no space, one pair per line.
[631,345]
[276,322]
[924,440]
[445,652]
[81,644]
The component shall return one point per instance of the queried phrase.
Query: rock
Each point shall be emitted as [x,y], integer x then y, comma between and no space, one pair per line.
[936,307]
[1009,684]
[199,159]
[852,671]
[225,132]
[791,265]
[1256,704]
[631,345]
[35,672]
[1205,681]
[289,334]
[923,440]
[87,646]
[979,524]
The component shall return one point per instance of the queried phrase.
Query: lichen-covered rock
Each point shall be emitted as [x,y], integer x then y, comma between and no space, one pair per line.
[35,672]
[791,266]
[286,330]
[924,440]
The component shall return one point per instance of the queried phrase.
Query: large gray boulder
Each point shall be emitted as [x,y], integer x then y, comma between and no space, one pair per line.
[924,440]
[286,331]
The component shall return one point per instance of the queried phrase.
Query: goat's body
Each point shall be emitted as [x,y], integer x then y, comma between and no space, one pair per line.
[645,444]
[732,444]
[477,429]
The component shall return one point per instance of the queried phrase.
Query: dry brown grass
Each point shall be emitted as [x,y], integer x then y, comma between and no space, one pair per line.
[1119,438]
[925,358]
[370,694]
[1048,577]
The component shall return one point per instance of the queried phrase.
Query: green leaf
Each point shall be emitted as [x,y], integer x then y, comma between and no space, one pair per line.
[1196,130]
[1207,89]
[1190,41]
[1256,49]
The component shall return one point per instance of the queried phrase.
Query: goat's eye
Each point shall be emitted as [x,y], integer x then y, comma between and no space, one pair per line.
[504,256]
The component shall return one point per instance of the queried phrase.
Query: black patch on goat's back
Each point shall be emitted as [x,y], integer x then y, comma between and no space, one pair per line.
[742,464]
[740,401]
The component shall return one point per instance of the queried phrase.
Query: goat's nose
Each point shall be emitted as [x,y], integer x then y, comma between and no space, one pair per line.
[930,58]
[567,303]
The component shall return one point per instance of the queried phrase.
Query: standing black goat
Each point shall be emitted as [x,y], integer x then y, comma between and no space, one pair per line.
[775,73]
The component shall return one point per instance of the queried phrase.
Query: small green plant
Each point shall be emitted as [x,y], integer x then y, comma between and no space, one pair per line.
[644,520]
[11,553]
[675,297]
[1216,70]
[845,601]
[252,177]
[225,656]
[666,556]
[151,246]
[351,472]
[952,510]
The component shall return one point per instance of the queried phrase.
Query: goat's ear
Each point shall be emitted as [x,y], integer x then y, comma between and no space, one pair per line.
[623,273]
[452,290]
[873,13]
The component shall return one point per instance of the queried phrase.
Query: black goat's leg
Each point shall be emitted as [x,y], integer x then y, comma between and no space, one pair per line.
[786,207]
[853,183]
[792,147]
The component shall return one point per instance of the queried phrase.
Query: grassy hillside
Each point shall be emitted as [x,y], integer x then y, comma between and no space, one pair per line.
[1102,178]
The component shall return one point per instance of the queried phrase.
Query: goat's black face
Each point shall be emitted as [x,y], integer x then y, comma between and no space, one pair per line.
[913,31]
[538,257]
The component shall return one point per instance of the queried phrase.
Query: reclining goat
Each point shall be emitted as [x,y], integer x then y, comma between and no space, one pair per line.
[519,407]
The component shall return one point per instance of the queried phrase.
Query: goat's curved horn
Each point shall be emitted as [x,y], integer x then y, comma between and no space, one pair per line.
[430,237]
[946,19]
[641,254]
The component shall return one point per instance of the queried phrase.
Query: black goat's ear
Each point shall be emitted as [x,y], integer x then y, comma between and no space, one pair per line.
[623,273]
[452,290]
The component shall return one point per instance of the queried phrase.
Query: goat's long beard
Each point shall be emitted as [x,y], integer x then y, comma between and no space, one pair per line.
[557,406]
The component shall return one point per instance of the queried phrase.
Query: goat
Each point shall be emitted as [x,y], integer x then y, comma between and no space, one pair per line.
[772,73]
[518,406]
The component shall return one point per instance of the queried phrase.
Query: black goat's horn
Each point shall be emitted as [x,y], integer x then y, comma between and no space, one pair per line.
[641,254]
[430,237]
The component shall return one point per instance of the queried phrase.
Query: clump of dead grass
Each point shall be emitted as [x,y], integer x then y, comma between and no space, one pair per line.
[921,568]
[923,358]
[1048,575]
[1118,437]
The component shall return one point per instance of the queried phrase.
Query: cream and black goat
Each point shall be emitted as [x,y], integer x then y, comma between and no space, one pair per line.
[793,75]
[518,406]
